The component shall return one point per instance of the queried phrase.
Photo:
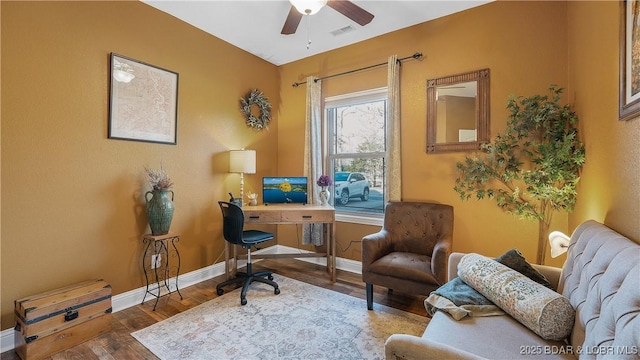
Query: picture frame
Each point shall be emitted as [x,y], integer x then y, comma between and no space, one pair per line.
[143,101]
[629,60]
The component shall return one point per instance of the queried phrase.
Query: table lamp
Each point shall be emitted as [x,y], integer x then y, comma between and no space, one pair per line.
[243,162]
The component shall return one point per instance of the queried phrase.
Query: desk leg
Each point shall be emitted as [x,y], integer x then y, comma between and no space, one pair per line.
[230,260]
[226,260]
[330,237]
[333,251]
[234,268]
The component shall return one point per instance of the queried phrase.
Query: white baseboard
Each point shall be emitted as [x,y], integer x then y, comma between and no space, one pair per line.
[134,297]
[342,264]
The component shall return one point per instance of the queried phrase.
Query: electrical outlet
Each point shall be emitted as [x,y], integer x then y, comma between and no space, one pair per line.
[156,260]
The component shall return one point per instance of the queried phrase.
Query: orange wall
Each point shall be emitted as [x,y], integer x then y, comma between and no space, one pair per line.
[73,200]
[525,46]
[609,189]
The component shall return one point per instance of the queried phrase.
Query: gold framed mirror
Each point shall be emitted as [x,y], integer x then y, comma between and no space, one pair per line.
[458,112]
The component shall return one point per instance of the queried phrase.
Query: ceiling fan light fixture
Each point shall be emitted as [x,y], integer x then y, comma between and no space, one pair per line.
[308,7]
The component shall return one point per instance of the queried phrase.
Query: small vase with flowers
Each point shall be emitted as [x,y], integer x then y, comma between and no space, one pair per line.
[324,181]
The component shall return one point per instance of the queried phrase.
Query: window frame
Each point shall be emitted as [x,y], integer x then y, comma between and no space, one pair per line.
[354,98]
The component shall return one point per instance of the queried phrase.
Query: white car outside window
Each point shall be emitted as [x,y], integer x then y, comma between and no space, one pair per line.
[349,185]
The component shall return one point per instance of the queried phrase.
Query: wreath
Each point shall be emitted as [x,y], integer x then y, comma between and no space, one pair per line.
[258,99]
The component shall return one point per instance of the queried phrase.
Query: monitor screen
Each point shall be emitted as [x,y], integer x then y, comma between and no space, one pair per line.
[284,190]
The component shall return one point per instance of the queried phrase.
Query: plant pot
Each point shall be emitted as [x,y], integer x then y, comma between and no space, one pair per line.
[159,211]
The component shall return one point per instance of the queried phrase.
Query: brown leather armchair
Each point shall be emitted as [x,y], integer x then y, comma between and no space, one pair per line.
[411,251]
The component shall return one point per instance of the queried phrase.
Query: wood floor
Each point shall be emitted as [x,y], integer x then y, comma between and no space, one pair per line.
[119,344]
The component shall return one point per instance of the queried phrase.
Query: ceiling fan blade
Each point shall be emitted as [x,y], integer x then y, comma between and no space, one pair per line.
[292,22]
[352,11]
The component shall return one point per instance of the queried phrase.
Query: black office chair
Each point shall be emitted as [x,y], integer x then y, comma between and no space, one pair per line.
[232,229]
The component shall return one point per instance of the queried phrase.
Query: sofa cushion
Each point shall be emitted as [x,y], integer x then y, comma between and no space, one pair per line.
[492,337]
[539,308]
[414,267]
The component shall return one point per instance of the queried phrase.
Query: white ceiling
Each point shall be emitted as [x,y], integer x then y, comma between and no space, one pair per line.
[255,25]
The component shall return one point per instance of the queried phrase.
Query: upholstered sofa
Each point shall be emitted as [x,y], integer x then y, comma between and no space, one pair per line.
[601,282]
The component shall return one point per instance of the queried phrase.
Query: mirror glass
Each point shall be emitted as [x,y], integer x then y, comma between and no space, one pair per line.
[458,112]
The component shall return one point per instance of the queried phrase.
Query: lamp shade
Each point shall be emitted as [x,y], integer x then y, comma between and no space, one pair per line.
[559,243]
[308,7]
[242,161]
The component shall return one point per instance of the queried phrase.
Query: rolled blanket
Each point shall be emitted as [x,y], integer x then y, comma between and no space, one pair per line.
[537,307]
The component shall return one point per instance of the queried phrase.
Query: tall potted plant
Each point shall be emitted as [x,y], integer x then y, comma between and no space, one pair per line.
[159,206]
[531,170]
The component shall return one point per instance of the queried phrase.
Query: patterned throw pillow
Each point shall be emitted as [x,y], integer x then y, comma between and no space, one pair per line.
[539,308]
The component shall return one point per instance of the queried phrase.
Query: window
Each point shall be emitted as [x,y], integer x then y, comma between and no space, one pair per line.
[356,153]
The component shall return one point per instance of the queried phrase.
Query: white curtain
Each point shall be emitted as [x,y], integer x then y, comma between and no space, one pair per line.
[393,191]
[312,233]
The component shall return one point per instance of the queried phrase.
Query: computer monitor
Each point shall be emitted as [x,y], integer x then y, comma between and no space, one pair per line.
[284,190]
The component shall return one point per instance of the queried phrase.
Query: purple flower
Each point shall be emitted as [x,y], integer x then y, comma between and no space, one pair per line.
[324,180]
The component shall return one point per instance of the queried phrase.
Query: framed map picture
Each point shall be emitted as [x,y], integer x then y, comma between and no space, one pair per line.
[143,102]
[629,59]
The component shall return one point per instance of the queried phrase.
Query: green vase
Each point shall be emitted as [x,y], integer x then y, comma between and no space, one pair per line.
[159,211]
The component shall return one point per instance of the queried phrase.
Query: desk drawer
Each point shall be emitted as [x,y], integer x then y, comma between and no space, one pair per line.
[261,217]
[308,216]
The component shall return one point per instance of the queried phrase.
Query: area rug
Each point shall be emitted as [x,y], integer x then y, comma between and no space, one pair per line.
[302,322]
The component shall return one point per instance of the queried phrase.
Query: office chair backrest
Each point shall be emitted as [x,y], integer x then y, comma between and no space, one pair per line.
[232,222]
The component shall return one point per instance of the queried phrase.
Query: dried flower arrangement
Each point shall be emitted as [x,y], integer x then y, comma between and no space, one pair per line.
[158,179]
[324,180]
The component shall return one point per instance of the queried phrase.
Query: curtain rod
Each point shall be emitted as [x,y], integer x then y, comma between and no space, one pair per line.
[416,56]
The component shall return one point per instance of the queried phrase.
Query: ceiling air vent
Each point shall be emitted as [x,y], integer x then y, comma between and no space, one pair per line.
[343,30]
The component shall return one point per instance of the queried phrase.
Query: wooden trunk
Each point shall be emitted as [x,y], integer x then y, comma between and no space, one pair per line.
[52,321]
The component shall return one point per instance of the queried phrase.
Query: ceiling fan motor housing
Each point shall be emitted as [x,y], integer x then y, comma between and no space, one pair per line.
[308,7]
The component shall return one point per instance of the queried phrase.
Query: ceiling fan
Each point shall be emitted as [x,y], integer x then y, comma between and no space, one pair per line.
[310,7]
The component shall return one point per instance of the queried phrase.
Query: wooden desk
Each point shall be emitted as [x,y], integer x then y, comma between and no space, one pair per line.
[295,214]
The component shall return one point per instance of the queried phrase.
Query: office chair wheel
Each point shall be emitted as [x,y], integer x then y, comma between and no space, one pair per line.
[276,291]
[243,301]
[219,292]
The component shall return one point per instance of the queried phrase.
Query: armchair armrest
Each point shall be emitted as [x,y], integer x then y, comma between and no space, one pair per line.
[440,258]
[375,246]
[407,347]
